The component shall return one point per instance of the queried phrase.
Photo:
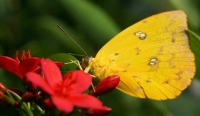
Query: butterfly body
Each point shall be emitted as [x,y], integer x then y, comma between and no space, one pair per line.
[152,57]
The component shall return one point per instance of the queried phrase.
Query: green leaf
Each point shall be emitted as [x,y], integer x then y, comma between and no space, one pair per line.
[67,59]
[195,47]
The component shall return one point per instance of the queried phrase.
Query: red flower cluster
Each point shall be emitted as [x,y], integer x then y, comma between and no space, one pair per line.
[64,92]
[67,91]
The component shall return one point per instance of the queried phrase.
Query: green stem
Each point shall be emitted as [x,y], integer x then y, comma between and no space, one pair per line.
[40,110]
[26,109]
[12,101]
[23,104]
[9,92]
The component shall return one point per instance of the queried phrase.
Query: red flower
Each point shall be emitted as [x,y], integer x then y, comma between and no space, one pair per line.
[65,92]
[27,64]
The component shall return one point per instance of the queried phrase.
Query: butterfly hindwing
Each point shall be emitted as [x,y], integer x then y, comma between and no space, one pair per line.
[158,73]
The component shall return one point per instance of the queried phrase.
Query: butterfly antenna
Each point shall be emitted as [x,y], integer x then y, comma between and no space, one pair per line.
[72,39]
[75,54]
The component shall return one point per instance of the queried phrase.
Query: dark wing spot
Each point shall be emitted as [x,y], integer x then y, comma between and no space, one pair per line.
[116,54]
[148,80]
[128,64]
[134,76]
[144,21]
[173,40]
[166,81]
[137,51]
[179,77]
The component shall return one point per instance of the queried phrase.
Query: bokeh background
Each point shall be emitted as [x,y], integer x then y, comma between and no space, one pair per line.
[32,24]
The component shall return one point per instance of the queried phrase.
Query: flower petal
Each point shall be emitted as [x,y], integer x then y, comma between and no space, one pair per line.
[37,80]
[85,101]
[76,78]
[10,65]
[29,65]
[62,103]
[59,63]
[51,72]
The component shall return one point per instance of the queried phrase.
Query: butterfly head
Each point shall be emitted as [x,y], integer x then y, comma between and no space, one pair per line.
[86,61]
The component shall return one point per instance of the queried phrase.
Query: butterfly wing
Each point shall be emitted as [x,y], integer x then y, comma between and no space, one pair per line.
[156,74]
[152,57]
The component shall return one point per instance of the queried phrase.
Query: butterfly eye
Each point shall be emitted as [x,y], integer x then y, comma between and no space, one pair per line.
[85,61]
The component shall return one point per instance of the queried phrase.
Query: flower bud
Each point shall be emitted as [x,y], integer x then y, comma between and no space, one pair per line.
[99,112]
[48,104]
[1,95]
[27,97]
[17,104]
[106,85]
[39,97]
[2,87]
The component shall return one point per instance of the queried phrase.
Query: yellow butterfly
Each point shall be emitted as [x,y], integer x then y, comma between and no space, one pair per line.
[152,57]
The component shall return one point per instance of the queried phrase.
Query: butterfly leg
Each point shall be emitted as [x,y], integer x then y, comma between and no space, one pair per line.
[75,62]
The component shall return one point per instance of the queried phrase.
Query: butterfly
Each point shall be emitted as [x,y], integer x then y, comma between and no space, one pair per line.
[152,57]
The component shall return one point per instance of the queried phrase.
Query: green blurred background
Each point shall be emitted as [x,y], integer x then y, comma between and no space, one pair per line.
[32,24]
